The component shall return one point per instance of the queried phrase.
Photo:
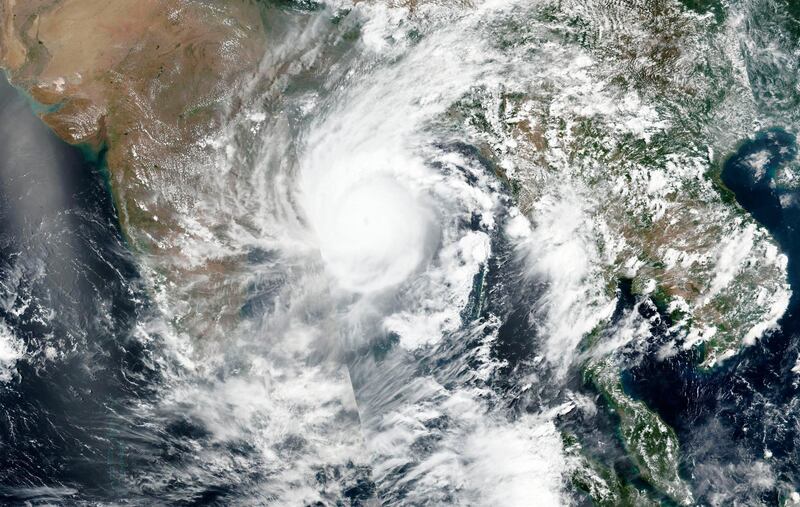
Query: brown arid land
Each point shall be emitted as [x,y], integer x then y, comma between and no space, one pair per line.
[143,81]
[144,78]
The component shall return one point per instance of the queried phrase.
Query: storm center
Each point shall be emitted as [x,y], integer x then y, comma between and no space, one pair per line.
[373,234]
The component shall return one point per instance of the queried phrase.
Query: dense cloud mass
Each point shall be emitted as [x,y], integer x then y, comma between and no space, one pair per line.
[422,253]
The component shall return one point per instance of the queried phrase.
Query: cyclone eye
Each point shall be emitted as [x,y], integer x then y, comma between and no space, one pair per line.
[372,232]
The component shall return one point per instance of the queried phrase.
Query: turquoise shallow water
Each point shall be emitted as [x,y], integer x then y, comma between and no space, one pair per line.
[67,287]
[70,430]
[737,412]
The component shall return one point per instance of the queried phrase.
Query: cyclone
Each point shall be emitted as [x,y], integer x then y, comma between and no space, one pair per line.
[373,232]
[354,253]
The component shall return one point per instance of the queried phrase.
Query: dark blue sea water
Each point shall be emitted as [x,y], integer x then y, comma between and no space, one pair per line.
[742,415]
[69,290]
[67,280]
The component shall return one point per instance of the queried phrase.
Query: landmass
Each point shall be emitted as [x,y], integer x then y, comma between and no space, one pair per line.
[632,173]
[142,83]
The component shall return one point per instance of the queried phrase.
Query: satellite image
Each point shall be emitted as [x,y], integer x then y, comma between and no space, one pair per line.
[399,253]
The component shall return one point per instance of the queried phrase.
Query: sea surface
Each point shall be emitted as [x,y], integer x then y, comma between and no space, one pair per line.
[69,297]
[747,407]
[407,335]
